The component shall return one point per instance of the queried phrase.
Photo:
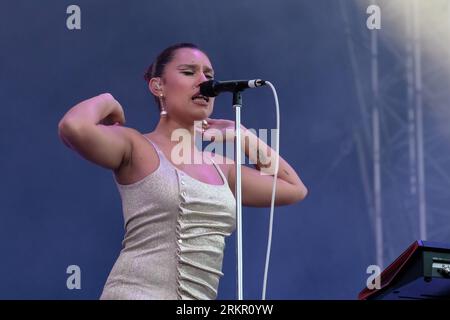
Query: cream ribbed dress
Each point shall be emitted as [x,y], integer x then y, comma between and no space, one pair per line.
[175,228]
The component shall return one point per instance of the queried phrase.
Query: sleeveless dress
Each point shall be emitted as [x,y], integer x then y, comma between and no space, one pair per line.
[175,229]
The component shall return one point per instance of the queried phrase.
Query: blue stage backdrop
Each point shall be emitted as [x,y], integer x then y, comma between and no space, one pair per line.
[59,210]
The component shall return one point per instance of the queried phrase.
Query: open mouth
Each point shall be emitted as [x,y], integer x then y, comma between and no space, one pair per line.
[200,97]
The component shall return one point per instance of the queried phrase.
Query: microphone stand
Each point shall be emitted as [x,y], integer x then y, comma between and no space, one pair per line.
[208,88]
[237,104]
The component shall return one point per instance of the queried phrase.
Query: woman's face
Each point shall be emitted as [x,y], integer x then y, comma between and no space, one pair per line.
[180,85]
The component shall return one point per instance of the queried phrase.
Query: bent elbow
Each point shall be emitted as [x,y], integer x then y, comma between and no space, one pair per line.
[305,192]
[294,196]
[302,193]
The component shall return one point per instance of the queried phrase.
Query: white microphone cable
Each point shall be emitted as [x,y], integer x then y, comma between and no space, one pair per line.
[272,205]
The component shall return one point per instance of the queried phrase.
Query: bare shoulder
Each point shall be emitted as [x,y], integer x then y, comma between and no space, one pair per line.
[128,131]
[134,136]
[138,141]
[131,135]
[141,161]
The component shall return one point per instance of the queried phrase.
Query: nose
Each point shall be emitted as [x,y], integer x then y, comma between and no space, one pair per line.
[201,78]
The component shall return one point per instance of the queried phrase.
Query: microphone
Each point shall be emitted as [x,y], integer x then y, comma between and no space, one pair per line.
[213,88]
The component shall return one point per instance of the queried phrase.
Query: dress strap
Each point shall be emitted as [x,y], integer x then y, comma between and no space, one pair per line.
[220,171]
[154,145]
[162,156]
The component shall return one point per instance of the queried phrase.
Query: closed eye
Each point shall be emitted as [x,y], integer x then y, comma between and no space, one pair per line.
[191,73]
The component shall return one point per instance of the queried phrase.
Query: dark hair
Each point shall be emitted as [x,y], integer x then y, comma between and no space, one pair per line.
[156,69]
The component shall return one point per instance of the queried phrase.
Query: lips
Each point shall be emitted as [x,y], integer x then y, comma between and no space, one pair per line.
[199,97]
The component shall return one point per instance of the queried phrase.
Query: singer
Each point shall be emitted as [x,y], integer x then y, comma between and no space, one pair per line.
[176,215]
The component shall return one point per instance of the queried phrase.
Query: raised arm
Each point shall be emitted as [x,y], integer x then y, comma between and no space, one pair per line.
[257,182]
[93,129]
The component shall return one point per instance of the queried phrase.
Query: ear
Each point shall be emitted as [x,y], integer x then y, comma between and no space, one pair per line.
[155,86]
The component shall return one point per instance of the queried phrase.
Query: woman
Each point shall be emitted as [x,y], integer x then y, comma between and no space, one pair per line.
[176,214]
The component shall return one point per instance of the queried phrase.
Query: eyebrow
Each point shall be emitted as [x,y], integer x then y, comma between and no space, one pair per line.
[194,66]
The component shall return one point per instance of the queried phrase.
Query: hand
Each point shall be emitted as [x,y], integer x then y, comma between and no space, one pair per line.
[116,115]
[219,130]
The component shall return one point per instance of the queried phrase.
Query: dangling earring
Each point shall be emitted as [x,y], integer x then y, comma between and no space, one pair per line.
[163,109]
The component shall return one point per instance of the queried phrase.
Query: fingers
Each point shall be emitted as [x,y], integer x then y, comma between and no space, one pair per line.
[205,124]
[214,134]
[210,136]
[216,129]
[213,121]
